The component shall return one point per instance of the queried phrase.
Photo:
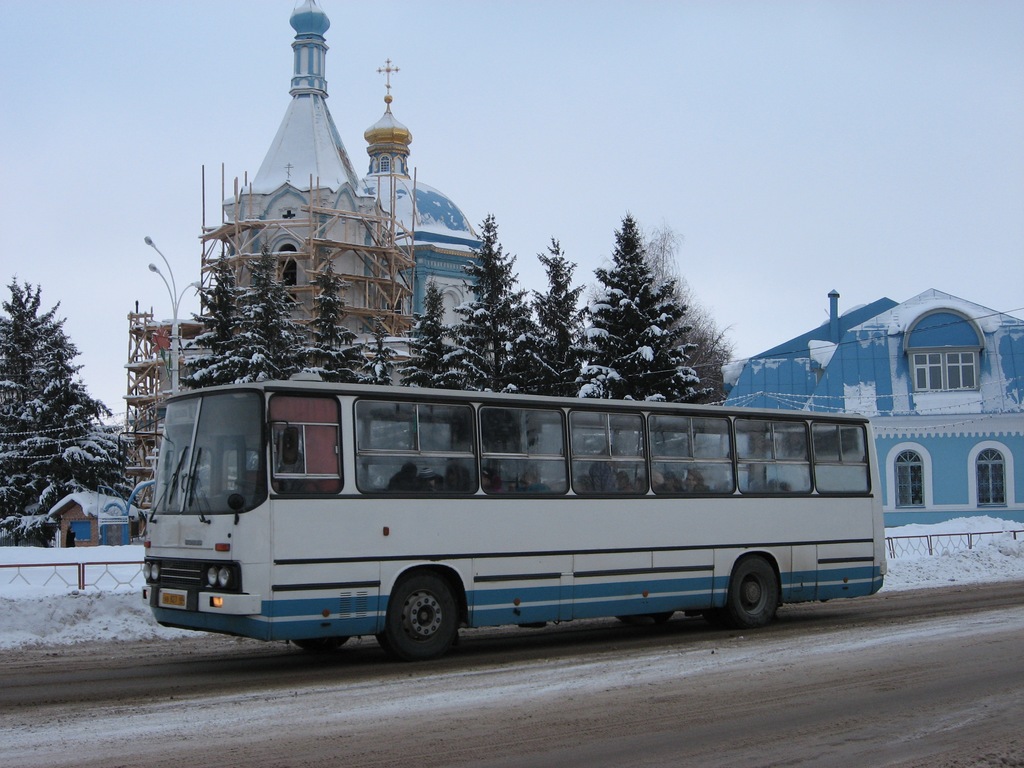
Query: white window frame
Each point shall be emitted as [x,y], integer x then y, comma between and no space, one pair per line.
[935,364]
[1009,491]
[890,476]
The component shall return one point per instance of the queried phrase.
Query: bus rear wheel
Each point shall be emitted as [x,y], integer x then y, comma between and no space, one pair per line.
[421,621]
[753,595]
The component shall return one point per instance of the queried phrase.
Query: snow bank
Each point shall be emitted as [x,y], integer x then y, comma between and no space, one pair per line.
[41,609]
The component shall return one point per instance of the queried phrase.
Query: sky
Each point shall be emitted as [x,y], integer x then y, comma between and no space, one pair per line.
[796,147]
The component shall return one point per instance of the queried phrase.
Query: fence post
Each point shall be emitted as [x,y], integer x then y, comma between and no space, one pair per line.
[81,577]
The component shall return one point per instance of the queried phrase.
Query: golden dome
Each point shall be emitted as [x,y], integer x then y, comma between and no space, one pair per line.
[387,132]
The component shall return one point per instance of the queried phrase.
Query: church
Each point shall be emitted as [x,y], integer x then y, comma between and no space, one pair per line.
[387,235]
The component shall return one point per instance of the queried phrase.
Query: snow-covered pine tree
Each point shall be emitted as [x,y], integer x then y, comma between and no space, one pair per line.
[216,362]
[636,342]
[332,352]
[559,327]
[52,438]
[379,358]
[493,344]
[429,365]
[269,343]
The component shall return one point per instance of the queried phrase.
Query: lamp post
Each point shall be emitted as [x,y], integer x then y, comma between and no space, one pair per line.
[172,291]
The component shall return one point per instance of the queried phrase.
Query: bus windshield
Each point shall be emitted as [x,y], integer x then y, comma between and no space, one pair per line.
[211,456]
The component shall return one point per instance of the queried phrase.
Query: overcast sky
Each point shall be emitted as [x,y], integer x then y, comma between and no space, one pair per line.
[874,148]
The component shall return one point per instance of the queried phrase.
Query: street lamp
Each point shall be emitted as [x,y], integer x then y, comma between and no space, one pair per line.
[172,291]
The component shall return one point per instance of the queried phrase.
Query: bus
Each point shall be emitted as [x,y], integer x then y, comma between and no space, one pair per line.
[313,512]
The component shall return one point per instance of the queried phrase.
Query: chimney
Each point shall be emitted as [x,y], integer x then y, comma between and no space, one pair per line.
[833,316]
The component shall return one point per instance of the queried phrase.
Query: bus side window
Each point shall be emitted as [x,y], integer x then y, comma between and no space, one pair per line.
[306,447]
[840,458]
[607,453]
[523,450]
[773,456]
[690,455]
[414,448]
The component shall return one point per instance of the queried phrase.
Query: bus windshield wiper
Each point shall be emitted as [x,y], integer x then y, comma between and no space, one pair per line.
[191,483]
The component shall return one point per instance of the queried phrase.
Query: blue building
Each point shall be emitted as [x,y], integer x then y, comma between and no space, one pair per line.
[943,382]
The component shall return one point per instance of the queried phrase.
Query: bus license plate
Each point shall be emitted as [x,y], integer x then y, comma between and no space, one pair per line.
[172,599]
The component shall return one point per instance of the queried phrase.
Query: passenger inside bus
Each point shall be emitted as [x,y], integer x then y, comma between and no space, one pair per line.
[405,479]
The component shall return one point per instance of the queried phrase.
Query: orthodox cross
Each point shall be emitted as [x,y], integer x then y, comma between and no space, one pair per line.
[386,70]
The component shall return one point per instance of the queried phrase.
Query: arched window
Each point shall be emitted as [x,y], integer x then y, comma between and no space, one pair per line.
[909,480]
[991,477]
[943,349]
[385,164]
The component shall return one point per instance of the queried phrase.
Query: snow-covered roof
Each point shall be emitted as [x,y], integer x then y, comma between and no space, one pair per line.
[94,504]
[438,219]
[307,145]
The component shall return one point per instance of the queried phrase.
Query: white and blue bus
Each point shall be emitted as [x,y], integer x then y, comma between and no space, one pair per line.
[314,512]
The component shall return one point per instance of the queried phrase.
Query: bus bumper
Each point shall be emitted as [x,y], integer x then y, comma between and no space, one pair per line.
[207,602]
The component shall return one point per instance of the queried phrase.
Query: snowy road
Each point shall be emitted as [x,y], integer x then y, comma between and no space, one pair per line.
[926,678]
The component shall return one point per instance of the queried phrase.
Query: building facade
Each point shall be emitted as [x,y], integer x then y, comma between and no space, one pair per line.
[943,382]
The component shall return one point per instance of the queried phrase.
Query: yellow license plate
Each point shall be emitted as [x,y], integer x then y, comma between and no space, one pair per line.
[172,599]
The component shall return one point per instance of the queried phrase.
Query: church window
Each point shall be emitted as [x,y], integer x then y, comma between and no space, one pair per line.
[991,469]
[909,480]
[385,164]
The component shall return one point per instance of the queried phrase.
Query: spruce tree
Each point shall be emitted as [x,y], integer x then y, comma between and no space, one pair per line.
[379,358]
[429,363]
[559,348]
[493,344]
[52,438]
[636,344]
[332,354]
[268,343]
[216,361]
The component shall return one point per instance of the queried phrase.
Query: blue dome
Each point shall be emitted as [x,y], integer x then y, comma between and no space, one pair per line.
[309,19]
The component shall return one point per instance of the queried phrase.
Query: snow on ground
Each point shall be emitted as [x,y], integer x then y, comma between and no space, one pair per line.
[43,606]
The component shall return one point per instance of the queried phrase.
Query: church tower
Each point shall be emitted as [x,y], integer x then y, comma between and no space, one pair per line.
[443,239]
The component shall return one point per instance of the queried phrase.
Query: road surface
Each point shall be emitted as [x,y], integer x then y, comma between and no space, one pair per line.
[908,679]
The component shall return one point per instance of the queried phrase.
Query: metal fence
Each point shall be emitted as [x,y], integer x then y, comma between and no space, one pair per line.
[941,543]
[101,576]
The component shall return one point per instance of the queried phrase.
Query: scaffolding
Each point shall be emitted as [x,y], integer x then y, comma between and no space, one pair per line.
[371,251]
[149,345]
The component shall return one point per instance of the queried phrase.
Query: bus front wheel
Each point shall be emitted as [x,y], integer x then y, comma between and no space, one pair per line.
[753,595]
[421,620]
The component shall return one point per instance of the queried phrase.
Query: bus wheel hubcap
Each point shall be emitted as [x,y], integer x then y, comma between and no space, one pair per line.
[751,592]
[423,615]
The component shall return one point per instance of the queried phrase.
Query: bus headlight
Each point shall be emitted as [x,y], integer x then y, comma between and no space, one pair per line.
[224,577]
[220,576]
[151,570]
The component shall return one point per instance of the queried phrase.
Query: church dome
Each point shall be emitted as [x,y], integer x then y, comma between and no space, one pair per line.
[309,19]
[387,131]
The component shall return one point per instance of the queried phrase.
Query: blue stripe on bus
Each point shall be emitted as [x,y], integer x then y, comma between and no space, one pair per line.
[285,619]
